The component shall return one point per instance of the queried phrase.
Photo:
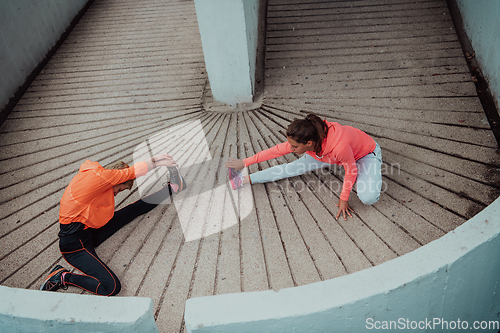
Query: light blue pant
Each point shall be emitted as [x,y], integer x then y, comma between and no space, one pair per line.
[368,182]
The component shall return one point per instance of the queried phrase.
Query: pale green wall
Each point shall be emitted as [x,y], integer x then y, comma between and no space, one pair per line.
[482,23]
[28,30]
[23,310]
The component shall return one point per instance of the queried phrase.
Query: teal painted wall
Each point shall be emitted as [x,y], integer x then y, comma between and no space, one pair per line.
[23,310]
[28,30]
[482,23]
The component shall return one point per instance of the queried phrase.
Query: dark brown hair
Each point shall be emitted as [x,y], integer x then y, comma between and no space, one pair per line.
[118,165]
[312,128]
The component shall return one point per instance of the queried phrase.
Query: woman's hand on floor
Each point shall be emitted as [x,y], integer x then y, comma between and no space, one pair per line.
[235,163]
[343,209]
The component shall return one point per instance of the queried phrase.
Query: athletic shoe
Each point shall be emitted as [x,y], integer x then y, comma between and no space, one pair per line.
[55,279]
[236,178]
[176,179]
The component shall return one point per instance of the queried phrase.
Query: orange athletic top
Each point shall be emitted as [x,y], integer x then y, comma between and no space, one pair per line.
[343,145]
[89,197]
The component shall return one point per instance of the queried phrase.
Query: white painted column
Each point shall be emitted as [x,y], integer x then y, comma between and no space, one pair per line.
[229,30]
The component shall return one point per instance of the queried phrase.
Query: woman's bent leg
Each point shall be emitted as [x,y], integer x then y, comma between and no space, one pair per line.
[79,252]
[369,180]
[298,167]
[123,216]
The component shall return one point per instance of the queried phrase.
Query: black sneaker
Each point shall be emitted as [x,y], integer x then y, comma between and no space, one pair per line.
[177,179]
[54,281]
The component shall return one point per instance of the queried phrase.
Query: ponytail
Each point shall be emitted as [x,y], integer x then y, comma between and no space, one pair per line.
[312,128]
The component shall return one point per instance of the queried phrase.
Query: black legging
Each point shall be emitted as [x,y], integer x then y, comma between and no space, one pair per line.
[78,248]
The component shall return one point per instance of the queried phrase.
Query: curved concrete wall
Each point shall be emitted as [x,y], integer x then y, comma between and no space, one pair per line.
[480,18]
[28,30]
[24,310]
[445,285]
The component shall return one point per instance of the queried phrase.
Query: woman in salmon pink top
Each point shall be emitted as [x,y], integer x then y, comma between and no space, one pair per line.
[323,143]
[87,218]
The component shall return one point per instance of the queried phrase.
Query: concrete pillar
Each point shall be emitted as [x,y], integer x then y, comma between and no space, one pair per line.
[229,34]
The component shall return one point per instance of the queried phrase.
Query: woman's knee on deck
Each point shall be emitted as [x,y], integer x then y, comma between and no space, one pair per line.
[369,198]
[368,192]
[109,287]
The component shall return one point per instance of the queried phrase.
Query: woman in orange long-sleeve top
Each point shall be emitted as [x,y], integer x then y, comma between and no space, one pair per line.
[87,218]
[323,143]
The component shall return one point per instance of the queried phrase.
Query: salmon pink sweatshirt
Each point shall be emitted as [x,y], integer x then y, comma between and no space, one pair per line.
[89,197]
[343,145]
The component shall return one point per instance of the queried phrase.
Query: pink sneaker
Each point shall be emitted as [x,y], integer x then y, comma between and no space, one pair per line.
[236,178]
[177,182]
